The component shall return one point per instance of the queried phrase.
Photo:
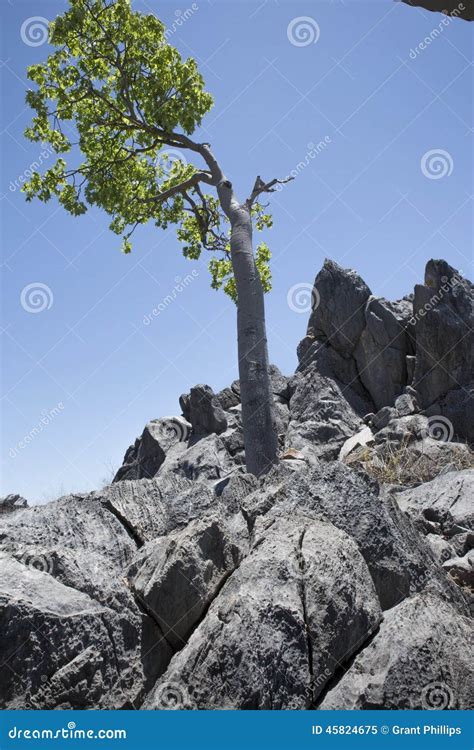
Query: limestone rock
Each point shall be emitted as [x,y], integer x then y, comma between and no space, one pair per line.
[419,659]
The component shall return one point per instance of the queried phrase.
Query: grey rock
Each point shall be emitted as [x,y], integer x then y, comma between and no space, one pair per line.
[83,546]
[381,353]
[383,417]
[444,313]
[12,502]
[403,430]
[405,405]
[205,412]
[419,659]
[176,577]
[228,398]
[446,500]
[321,418]
[151,508]
[397,556]
[280,625]
[441,548]
[457,406]
[145,457]
[338,315]
[462,569]
[63,649]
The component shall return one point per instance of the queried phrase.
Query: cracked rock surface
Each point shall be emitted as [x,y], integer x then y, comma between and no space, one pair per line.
[190,584]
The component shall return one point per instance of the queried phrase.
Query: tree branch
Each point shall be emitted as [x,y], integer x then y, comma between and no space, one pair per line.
[265,187]
[182,188]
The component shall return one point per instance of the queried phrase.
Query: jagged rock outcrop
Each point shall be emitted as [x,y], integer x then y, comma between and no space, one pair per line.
[188,583]
[443,309]
[12,502]
[421,347]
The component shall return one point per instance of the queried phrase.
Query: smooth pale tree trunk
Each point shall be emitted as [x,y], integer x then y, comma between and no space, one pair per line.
[258,411]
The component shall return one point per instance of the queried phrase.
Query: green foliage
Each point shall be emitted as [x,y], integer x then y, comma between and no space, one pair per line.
[116,98]
[109,94]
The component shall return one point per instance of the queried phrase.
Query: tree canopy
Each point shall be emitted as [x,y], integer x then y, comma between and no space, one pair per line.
[114,99]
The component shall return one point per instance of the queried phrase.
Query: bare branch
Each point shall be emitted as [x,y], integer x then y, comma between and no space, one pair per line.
[265,187]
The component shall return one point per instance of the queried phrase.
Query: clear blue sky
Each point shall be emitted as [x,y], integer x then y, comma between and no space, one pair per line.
[363,201]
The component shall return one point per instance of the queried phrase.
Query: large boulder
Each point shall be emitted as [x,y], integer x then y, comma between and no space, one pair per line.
[338,315]
[62,649]
[381,353]
[299,604]
[397,556]
[321,417]
[205,411]
[419,659]
[145,457]
[447,501]
[177,576]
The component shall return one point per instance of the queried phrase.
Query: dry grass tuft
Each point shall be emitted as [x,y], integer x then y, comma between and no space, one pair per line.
[407,463]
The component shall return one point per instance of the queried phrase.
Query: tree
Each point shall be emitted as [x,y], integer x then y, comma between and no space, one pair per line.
[114,95]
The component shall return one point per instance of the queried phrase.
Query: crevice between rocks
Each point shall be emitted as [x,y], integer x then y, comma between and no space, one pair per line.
[131,531]
[301,564]
[345,666]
